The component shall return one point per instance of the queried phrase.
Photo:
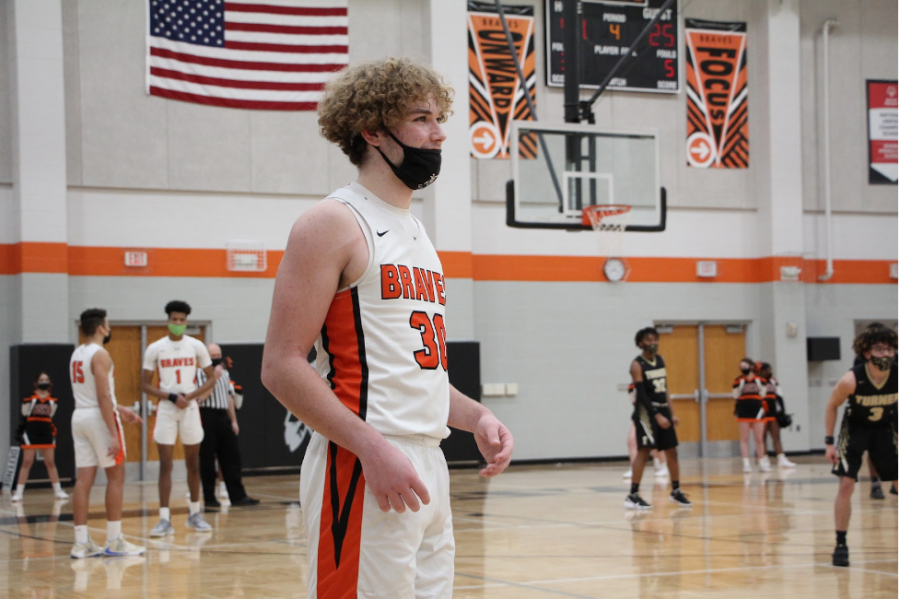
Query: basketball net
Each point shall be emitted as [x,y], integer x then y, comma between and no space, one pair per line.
[609,222]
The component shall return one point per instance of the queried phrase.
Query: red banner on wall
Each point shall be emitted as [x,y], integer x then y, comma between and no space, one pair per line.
[882,103]
[716,78]
[496,95]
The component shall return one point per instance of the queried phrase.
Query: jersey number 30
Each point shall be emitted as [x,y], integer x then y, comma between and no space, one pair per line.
[433,335]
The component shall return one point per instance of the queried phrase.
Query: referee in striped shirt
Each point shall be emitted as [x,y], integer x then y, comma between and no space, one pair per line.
[220,430]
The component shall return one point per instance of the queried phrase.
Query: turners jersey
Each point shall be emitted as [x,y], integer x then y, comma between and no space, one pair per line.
[177,362]
[871,405]
[84,386]
[654,374]
[383,347]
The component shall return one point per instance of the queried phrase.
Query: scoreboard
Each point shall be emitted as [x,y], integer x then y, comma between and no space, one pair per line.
[608,29]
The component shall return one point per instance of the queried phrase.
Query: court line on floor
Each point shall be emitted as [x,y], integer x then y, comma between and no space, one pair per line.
[530,583]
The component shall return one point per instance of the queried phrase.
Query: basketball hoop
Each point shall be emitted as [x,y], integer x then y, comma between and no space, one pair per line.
[609,222]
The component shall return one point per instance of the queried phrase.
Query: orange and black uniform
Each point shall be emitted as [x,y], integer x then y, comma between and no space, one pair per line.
[40,432]
[870,423]
[750,405]
[650,400]
[772,399]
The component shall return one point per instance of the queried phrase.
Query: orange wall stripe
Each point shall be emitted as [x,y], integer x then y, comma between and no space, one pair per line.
[33,257]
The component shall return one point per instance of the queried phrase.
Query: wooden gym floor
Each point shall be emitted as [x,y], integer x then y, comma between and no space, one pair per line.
[534,533]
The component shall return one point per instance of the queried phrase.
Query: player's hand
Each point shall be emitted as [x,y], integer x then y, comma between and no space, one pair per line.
[393,480]
[218,370]
[662,421]
[495,443]
[182,401]
[235,427]
[831,454]
[129,416]
[114,447]
[675,420]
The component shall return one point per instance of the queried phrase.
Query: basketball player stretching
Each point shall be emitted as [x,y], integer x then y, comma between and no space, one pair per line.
[176,358]
[97,433]
[870,423]
[653,418]
[361,279]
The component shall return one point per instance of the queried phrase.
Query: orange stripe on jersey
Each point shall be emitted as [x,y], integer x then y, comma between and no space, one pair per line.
[344,342]
[340,526]
[120,457]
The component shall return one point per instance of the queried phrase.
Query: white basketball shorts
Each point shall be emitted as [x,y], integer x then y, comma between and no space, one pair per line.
[91,437]
[355,549]
[172,421]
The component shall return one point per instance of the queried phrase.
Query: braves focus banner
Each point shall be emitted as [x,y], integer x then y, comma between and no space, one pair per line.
[716,77]
[882,103]
[496,95]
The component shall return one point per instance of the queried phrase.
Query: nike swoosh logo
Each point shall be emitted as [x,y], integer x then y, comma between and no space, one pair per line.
[381,233]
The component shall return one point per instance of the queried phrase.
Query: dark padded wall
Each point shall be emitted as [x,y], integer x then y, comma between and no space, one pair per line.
[271,438]
[25,362]
[264,436]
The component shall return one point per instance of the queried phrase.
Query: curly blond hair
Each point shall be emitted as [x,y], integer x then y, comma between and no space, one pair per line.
[376,94]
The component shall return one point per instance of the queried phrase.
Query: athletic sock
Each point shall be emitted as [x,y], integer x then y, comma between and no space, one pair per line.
[57,487]
[674,485]
[20,489]
[165,514]
[81,533]
[634,488]
[113,530]
[194,507]
[841,537]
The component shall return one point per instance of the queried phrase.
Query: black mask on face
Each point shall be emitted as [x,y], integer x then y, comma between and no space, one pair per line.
[43,386]
[651,348]
[745,370]
[108,337]
[420,167]
[216,362]
[883,363]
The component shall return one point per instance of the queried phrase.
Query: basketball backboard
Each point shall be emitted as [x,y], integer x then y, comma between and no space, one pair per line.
[557,170]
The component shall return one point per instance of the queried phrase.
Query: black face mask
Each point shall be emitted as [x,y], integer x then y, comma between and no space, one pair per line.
[651,348]
[745,370]
[107,338]
[883,364]
[216,362]
[43,386]
[420,167]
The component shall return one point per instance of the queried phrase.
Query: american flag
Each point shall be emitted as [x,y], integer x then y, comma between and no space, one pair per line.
[259,54]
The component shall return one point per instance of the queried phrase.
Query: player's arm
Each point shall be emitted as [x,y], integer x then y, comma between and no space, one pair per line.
[845,387]
[212,374]
[325,249]
[494,440]
[671,406]
[100,366]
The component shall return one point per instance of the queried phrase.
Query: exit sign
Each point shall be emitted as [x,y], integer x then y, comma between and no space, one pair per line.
[136,259]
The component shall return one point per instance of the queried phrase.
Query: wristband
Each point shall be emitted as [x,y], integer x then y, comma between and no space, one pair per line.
[829,440]
[173,397]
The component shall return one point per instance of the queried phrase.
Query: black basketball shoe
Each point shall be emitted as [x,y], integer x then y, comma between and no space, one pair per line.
[680,498]
[841,556]
[876,492]
[636,502]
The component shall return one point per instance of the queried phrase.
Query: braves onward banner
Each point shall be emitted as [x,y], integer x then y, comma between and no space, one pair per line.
[496,95]
[716,77]
[882,101]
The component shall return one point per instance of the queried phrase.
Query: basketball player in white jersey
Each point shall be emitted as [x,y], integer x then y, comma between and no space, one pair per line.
[176,358]
[97,433]
[361,279]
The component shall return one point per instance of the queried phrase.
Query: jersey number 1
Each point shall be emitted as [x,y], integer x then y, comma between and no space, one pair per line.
[433,335]
[78,371]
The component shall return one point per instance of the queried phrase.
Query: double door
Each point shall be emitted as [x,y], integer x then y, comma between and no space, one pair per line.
[126,348]
[701,364]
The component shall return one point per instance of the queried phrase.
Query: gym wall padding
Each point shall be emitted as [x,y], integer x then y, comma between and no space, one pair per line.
[271,438]
[25,362]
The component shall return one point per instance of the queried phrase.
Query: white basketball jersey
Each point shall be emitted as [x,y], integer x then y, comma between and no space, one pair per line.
[383,347]
[177,362]
[84,385]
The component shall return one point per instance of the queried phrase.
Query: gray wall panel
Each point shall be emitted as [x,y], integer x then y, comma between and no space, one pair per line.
[863,46]
[287,153]
[5,108]
[209,147]
[72,70]
[124,132]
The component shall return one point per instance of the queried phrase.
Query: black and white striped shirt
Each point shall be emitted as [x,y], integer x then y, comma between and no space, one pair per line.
[222,389]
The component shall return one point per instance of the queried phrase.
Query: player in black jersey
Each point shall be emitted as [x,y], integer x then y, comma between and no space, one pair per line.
[870,423]
[653,418]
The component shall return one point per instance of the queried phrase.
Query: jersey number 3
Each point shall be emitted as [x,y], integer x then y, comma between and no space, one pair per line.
[433,335]
[78,371]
